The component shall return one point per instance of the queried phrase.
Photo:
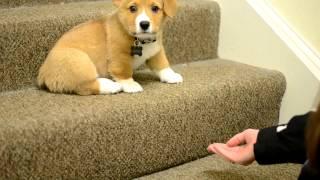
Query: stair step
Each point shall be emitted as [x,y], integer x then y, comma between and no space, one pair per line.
[213,167]
[18,3]
[123,136]
[27,34]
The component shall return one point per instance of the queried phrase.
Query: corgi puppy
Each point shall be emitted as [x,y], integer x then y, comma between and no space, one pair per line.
[99,56]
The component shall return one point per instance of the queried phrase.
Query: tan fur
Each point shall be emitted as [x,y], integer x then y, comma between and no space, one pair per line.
[170,7]
[100,48]
[159,61]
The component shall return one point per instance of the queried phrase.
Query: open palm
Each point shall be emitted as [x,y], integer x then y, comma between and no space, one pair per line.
[239,149]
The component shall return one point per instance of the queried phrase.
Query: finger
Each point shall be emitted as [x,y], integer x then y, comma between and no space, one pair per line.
[211,149]
[236,140]
[216,146]
[224,151]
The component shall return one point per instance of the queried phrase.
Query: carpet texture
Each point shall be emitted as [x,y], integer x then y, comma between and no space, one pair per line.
[45,135]
[124,136]
[17,3]
[215,168]
[28,33]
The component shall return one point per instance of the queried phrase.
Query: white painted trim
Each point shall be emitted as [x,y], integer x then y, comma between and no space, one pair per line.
[302,49]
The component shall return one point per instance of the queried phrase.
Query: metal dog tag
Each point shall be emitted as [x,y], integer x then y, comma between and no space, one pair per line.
[136,49]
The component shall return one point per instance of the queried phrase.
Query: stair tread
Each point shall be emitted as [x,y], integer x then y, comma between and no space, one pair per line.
[214,167]
[28,33]
[54,11]
[206,75]
[17,3]
[129,135]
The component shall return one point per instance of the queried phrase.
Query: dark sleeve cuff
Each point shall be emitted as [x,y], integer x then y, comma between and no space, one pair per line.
[287,145]
[262,149]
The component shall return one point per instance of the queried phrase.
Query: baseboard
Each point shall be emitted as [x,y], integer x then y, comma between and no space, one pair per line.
[302,49]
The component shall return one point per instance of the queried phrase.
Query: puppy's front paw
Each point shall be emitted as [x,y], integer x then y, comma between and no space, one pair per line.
[130,86]
[108,86]
[169,76]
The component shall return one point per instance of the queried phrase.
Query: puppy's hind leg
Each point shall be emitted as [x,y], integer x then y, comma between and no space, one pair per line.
[88,79]
[69,70]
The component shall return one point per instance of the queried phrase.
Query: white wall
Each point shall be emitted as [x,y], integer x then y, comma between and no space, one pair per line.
[303,16]
[246,38]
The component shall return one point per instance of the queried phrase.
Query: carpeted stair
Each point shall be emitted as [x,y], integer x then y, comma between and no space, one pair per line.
[124,136]
[215,168]
[19,3]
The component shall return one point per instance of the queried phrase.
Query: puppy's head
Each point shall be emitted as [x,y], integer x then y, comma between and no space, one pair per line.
[144,18]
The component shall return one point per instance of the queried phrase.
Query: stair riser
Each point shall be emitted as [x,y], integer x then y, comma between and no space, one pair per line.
[192,35]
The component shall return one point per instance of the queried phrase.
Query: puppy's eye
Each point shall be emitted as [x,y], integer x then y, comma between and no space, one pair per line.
[155,9]
[133,9]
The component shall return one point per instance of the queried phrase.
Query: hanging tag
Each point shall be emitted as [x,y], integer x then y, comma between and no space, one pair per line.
[136,49]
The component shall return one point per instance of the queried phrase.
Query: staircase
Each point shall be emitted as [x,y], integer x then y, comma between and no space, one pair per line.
[161,133]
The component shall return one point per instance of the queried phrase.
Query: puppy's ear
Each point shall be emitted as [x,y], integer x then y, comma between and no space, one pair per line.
[170,7]
[117,2]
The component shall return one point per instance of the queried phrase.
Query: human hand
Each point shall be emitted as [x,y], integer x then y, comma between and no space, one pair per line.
[239,149]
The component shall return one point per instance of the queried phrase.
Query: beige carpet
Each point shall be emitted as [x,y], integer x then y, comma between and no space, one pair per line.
[130,135]
[124,136]
[25,3]
[215,168]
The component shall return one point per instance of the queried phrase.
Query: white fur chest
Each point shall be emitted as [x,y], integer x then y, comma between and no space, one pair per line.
[148,51]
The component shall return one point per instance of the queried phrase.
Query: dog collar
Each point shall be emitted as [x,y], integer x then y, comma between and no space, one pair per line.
[136,49]
[145,41]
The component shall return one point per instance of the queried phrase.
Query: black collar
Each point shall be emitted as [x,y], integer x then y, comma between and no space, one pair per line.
[136,48]
[144,41]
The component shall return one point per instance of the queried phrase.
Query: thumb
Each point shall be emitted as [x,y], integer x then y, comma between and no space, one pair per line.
[237,140]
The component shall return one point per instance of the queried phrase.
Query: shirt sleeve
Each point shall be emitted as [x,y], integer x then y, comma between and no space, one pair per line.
[283,143]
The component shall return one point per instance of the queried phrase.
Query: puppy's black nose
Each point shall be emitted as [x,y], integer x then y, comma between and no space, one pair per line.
[144,25]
